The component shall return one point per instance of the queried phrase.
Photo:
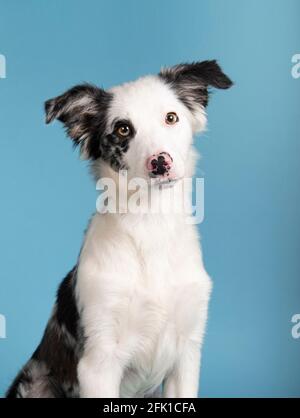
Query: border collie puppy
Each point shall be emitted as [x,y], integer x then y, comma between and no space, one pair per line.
[130,317]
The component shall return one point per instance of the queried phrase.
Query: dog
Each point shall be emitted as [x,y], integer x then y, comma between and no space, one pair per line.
[130,317]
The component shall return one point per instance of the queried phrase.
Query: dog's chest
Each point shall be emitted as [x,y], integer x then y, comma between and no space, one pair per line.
[156,337]
[167,311]
[145,291]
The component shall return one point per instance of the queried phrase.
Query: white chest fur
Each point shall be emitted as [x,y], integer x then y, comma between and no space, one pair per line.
[143,292]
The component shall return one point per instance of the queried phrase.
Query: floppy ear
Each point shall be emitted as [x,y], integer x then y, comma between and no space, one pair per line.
[191,81]
[82,110]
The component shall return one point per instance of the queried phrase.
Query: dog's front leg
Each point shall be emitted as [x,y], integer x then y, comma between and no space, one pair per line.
[99,376]
[183,381]
[100,368]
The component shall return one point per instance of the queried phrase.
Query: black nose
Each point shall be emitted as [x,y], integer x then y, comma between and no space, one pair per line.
[159,165]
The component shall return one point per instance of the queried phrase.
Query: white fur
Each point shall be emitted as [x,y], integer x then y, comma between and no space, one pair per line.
[141,286]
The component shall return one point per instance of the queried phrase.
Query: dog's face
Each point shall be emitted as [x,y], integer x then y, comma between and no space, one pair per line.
[145,126]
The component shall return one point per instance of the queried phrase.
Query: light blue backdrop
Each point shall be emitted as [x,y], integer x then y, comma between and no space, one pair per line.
[250,163]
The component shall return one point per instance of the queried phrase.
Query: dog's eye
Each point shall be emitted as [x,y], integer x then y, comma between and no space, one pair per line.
[123,130]
[171,118]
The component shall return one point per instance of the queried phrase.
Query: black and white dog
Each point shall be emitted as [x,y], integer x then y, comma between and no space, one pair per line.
[130,317]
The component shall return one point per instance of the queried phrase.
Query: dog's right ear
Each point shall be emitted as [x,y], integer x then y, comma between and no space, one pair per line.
[82,110]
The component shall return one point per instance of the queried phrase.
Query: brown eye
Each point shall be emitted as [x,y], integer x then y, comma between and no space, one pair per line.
[123,131]
[171,118]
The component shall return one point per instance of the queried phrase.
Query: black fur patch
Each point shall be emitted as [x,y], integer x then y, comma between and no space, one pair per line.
[52,369]
[66,312]
[114,146]
[83,110]
[191,81]
[22,379]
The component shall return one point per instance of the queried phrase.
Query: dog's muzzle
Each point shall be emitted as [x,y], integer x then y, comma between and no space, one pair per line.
[160,167]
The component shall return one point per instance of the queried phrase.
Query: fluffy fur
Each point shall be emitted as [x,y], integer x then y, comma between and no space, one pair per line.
[130,317]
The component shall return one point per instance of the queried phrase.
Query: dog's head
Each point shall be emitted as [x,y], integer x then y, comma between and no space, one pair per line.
[145,126]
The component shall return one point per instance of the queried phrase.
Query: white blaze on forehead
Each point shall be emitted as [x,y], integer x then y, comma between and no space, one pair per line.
[149,97]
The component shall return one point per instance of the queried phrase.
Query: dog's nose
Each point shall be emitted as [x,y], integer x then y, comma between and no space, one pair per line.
[159,164]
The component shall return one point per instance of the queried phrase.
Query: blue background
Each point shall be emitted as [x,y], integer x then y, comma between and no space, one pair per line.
[250,162]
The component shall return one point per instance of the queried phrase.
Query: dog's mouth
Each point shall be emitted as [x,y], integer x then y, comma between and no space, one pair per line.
[163,182]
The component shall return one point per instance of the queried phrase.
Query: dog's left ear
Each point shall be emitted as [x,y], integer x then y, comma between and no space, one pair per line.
[192,81]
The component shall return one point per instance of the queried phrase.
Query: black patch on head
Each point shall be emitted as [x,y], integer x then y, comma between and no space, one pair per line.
[83,110]
[191,81]
[115,146]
